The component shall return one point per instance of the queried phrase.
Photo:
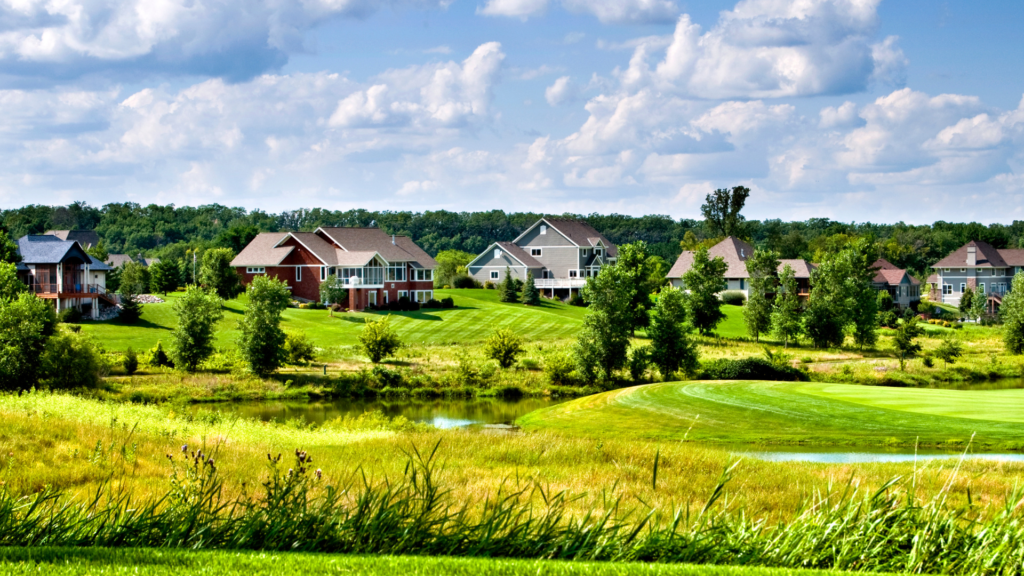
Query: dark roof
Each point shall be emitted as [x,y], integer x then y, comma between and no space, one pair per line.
[47,249]
[118,260]
[87,238]
[519,254]
[263,250]
[391,248]
[888,274]
[987,257]
[735,252]
[579,233]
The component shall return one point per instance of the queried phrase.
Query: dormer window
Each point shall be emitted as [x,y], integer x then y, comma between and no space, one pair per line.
[497,252]
[543,229]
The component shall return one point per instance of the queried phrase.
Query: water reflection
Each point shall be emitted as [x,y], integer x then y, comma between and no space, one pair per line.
[870,457]
[439,413]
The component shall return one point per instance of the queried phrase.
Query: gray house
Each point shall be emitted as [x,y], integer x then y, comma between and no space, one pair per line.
[978,266]
[560,253]
[61,271]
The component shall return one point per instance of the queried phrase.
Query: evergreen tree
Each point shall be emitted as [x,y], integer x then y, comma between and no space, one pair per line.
[672,350]
[762,267]
[508,287]
[1012,312]
[261,340]
[134,281]
[164,276]
[603,341]
[979,303]
[704,280]
[531,296]
[786,314]
[966,300]
[198,311]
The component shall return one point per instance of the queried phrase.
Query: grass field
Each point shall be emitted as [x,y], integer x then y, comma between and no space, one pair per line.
[805,413]
[151,562]
[476,315]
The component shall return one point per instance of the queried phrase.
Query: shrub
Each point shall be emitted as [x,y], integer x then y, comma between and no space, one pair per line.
[131,361]
[925,307]
[465,281]
[927,361]
[749,369]
[888,319]
[157,357]
[336,308]
[504,346]
[385,378]
[490,285]
[298,349]
[639,360]
[577,300]
[447,302]
[559,369]
[71,361]
[70,316]
[379,340]
[734,297]
[432,304]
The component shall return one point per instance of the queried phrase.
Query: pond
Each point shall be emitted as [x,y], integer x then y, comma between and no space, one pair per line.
[862,456]
[439,413]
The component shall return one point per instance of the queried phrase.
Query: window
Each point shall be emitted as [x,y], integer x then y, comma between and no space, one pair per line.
[497,253]
[494,274]
[323,273]
[371,298]
[424,295]
[963,269]
[963,287]
[543,229]
[385,296]
[945,269]
[255,270]
[573,273]
[403,294]
[422,275]
[535,251]
[741,281]
[947,289]
[598,251]
[298,273]
[981,287]
[396,273]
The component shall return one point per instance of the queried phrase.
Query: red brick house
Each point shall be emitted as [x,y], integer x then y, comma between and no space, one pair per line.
[376,268]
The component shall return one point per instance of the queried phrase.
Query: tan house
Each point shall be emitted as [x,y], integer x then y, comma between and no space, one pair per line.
[735,253]
[904,288]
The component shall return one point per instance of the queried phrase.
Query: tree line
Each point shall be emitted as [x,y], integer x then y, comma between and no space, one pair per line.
[175,232]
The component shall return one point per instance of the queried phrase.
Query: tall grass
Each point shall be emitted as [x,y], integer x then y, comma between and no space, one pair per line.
[889,530]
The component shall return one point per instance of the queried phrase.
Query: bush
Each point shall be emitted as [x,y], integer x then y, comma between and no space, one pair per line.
[431,304]
[639,360]
[379,340]
[504,346]
[385,378]
[336,307]
[559,368]
[298,349]
[157,357]
[749,369]
[888,319]
[465,281]
[447,302]
[733,297]
[70,316]
[925,307]
[131,361]
[490,285]
[71,361]
[577,300]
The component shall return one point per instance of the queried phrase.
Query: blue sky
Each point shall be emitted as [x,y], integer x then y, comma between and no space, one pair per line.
[848,109]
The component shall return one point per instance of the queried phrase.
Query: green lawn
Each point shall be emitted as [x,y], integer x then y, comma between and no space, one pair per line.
[733,326]
[477,313]
[146,562]
[786,412]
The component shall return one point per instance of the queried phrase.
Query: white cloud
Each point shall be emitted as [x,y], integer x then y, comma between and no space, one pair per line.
[231,38]
[842,116]
[446,94]
[606,11]
[562,91]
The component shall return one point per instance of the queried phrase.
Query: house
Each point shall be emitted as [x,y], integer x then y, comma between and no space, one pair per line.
[735,252]
[376,268]
[60,270]
[85,238]
[561,254]
[904,288]
[978,266]
[118,260]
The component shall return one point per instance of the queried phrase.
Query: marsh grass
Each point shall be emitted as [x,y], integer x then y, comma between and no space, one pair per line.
[889,529]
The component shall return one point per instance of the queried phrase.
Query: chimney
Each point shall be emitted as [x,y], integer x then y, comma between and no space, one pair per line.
[972,255]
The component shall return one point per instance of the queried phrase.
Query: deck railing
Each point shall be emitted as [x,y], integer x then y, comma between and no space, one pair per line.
[560,282]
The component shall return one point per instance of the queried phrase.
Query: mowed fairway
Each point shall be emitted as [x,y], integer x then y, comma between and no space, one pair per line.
[476,315]
[786,412]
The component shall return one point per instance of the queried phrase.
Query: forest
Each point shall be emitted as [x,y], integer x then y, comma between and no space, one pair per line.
[171,231]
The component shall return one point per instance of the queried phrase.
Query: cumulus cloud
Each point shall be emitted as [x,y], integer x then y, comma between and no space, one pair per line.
[562,91]
[770,49]
[606,11]
[236,39]
[443,94]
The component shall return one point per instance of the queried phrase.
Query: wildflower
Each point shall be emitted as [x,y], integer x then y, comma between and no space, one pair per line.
[319,473]
[184,448]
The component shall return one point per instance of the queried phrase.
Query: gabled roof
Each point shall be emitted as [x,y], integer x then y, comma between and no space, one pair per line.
[316,245]
[47,249]
[118,260]
[87,238]
[392,249]
[263,250]
[579,233]
[888,273]
[735,252]
[987,257]
[518,253]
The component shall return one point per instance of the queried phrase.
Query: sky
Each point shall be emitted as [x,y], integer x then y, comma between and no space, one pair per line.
[855,110]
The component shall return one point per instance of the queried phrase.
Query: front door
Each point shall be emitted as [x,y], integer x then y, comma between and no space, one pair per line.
[371,298]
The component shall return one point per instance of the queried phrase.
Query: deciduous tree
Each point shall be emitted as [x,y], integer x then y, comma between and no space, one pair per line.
[704,280]
[637,270]
[787,322]
[672,350]
[217,274]
[261,340]
[603,341]
[1012,312]
[949,350]
[903,341]
[721,210]
[198,311]
[379,340]
[763,268]
[504,346]
[26,323]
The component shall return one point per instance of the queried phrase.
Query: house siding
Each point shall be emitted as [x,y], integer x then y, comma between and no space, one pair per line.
[558,261]
[537,240]
[481,270]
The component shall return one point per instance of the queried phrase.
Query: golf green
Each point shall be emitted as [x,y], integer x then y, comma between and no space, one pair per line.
[794,413]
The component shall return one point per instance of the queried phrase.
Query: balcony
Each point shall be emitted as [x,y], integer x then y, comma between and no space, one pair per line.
[50,290]
[550,283]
